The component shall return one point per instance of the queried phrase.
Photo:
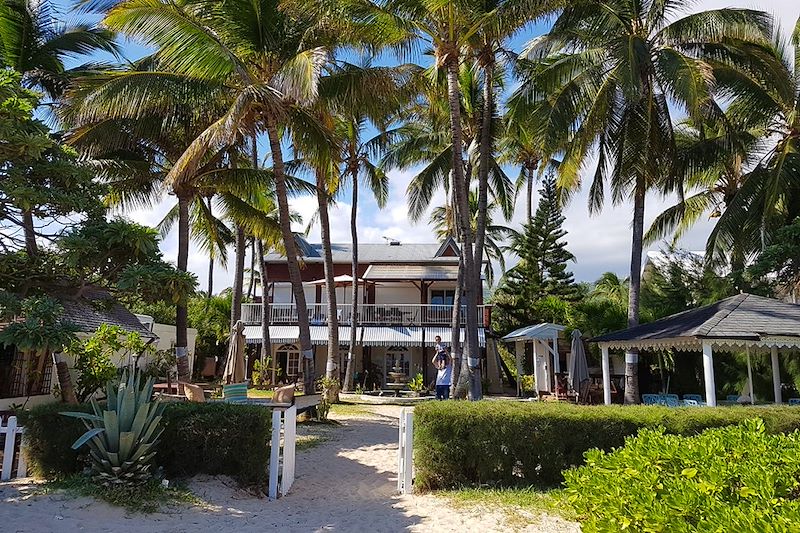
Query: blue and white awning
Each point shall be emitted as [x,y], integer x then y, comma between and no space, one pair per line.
[392,336]
[447,336]
[291,334]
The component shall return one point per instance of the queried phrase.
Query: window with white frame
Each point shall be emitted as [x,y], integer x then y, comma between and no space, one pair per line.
[292,355]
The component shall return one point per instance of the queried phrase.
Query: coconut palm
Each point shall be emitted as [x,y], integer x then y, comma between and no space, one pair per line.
[713,163]
[268,59]
[763,84]
[442,222]
[612,72]
[35,43]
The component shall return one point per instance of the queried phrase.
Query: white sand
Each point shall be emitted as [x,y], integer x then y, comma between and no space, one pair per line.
[344,484]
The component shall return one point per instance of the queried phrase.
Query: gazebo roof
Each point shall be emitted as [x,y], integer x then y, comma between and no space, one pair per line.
[536,331]
[744,319]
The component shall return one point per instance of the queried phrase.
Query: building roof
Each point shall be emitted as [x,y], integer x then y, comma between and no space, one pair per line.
[545,331]
[95,307]
[411,272]
[742,317]
[373,253]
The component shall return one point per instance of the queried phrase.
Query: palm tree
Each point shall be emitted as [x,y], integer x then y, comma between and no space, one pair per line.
[764,85]
[442,223]
[268,59]
[35,43]
[360,95]
[612,68]
[712,163]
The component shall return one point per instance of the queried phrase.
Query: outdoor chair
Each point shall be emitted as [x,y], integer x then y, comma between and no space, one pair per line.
[651,399]
[794,401]
[234,393]
[732,398]
[690,403]
[670,400]
[695,397]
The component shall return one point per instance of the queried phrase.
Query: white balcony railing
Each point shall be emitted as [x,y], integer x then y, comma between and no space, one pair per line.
[368,314]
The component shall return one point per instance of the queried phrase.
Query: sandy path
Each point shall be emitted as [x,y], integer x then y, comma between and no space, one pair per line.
[344,484]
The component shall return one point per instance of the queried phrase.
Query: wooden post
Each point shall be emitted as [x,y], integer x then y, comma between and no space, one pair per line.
[8,452]
[606,376]
[776,375]
[405,451]
[289,436]
[708,374]
[750,377]
[274,455]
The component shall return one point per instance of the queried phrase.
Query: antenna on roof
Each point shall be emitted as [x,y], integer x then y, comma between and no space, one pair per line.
[391,242]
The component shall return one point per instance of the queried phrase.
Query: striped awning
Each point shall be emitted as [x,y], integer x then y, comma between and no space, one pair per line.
[391,336]
[447,336]
[288,334]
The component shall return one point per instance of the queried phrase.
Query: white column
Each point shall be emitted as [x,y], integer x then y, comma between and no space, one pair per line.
[606,376]
[708,373]
[750,377]
[556,360]
[776,375]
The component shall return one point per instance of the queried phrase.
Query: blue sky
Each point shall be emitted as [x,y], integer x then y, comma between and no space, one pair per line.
[600,243]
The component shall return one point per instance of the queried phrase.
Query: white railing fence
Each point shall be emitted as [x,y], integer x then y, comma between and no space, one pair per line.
[10,432]
[282,452]
[368,314]
[405,449]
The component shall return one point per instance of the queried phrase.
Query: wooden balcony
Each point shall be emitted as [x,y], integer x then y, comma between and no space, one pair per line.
[368,314]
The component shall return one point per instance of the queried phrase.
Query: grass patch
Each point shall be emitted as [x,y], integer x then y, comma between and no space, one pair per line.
[148,498]
[306,442]
[351,409]
[511,501]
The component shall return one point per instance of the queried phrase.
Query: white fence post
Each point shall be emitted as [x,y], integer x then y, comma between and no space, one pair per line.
[282,451]
[11,430]
[405,449]
[274,454]
[289,436]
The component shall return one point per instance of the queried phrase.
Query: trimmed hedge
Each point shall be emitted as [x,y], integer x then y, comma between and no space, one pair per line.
[511,443]
[207,438]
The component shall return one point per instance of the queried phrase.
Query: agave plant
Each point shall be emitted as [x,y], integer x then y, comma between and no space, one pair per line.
[122,438]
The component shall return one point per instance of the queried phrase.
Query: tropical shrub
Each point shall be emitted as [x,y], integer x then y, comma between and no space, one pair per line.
[737,478]
[198,438]
[122,437]
[523,444]
[417,383]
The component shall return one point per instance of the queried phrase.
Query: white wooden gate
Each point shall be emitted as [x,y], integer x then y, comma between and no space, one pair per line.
[10,432]
[282,452]
[405,448]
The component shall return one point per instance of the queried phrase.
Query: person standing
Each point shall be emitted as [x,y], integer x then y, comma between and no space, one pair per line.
[444,370]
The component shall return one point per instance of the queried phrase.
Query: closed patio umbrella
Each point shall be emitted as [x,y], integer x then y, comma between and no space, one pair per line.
[234,368]
[579,370]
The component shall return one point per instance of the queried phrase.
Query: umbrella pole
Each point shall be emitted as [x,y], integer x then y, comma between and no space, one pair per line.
[750,376]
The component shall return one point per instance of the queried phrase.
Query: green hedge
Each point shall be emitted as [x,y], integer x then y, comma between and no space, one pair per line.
[208,438]
[737,478]
[511,443]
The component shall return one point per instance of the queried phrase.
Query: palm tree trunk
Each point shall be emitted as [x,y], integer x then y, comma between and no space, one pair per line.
[529,197]
[291,255]
[348,376]
[210,262]
[331,389]
[266,345]
[238,276]
[485,152]
[64,380]
[458,389]
[632,356]
[30,233]
[181,310]
[252,282]
[462,215]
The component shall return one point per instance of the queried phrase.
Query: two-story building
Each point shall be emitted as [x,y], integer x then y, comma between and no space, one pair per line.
[406,293]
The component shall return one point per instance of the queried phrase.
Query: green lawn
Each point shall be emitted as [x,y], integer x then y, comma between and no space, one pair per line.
[510,501]
[350,409]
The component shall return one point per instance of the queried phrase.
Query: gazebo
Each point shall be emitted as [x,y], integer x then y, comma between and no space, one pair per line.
[740,323]
[544,339]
